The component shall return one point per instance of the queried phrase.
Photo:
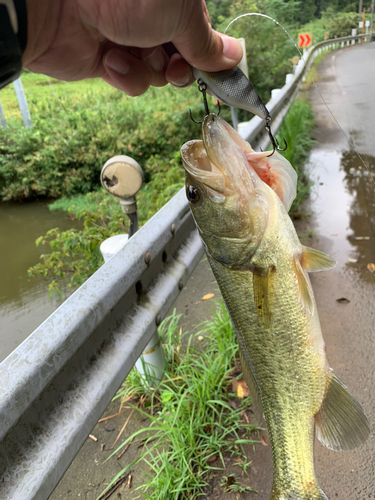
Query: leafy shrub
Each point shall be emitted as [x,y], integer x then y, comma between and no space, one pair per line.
[74,135]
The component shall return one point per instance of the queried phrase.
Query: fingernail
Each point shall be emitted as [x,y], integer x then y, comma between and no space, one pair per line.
[116,61]
[232,49]
[181,82]
[157,59]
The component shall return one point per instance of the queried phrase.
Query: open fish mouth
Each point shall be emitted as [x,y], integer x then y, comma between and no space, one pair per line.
[198,164]
[219,160]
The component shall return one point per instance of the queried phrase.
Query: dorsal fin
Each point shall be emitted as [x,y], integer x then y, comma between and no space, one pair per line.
[315,260]
[341,424]
[304,288]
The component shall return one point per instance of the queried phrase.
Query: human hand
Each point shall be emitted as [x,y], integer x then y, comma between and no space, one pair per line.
[131,44]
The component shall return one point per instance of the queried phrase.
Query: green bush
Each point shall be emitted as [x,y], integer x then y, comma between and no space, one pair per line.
[73,136]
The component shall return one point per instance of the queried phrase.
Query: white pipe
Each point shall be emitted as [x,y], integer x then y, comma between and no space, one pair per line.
[151,363]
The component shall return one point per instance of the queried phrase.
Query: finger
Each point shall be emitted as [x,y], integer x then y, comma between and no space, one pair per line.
[179,72]
[126,72]
[205,12]
[204,48]
[157,60]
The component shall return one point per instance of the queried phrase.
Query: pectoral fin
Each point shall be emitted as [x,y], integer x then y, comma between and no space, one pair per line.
[304,288]
[314,260]
[341,424]
[250,382]
[261,296]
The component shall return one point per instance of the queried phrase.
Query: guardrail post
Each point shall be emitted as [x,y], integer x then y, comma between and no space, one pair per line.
[151,364]
[22,102]
[289,78]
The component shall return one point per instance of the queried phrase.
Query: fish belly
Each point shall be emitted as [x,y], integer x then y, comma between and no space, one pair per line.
[287,363]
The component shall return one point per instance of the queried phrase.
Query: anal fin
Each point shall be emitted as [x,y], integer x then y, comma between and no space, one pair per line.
[315,260]
[250,382]
[341,424]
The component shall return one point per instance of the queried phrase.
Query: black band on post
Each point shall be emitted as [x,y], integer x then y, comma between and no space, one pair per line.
[21,10]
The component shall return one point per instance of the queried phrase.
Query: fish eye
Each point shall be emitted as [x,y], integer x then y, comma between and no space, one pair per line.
[193,195]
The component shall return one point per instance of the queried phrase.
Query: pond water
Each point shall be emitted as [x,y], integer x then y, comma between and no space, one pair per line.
[24,301]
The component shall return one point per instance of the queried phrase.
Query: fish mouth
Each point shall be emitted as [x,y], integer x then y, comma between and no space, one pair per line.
[219,159]
[198,164]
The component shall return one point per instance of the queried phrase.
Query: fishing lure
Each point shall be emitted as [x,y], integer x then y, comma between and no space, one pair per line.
[233,88]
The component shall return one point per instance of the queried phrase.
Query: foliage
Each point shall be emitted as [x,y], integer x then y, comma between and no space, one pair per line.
[336,24]
[193,419]
[73,136]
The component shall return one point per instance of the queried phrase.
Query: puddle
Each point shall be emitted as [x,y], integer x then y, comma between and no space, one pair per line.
[343,207]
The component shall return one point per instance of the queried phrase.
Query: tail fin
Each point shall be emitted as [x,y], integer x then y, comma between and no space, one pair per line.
[341,424]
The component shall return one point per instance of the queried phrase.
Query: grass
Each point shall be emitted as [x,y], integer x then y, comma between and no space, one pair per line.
[194,420]
[40,87]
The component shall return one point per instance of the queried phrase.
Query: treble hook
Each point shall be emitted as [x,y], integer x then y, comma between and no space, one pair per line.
[202,87]
[274,141]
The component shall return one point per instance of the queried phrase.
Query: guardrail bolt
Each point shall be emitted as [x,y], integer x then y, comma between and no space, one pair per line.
[158,320]
[173,229]
[147,258]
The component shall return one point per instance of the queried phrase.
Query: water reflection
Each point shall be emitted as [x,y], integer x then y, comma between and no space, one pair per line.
[24,301]
[360,182]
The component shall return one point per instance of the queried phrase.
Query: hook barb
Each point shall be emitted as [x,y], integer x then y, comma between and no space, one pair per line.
[274,141]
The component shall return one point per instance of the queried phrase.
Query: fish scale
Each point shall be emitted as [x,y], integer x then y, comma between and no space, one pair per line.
[272,351]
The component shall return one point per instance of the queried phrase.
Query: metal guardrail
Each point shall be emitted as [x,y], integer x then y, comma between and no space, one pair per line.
[57,383]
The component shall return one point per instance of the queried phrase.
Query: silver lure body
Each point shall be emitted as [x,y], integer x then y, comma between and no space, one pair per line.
[233,88]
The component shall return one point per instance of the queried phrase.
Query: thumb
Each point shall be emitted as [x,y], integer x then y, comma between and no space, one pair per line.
[204,48]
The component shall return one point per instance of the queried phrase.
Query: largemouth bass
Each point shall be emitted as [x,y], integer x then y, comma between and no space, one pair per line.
[240,201]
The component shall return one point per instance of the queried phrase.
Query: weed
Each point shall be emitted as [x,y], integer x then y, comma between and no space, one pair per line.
[230,484]
[194,420]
